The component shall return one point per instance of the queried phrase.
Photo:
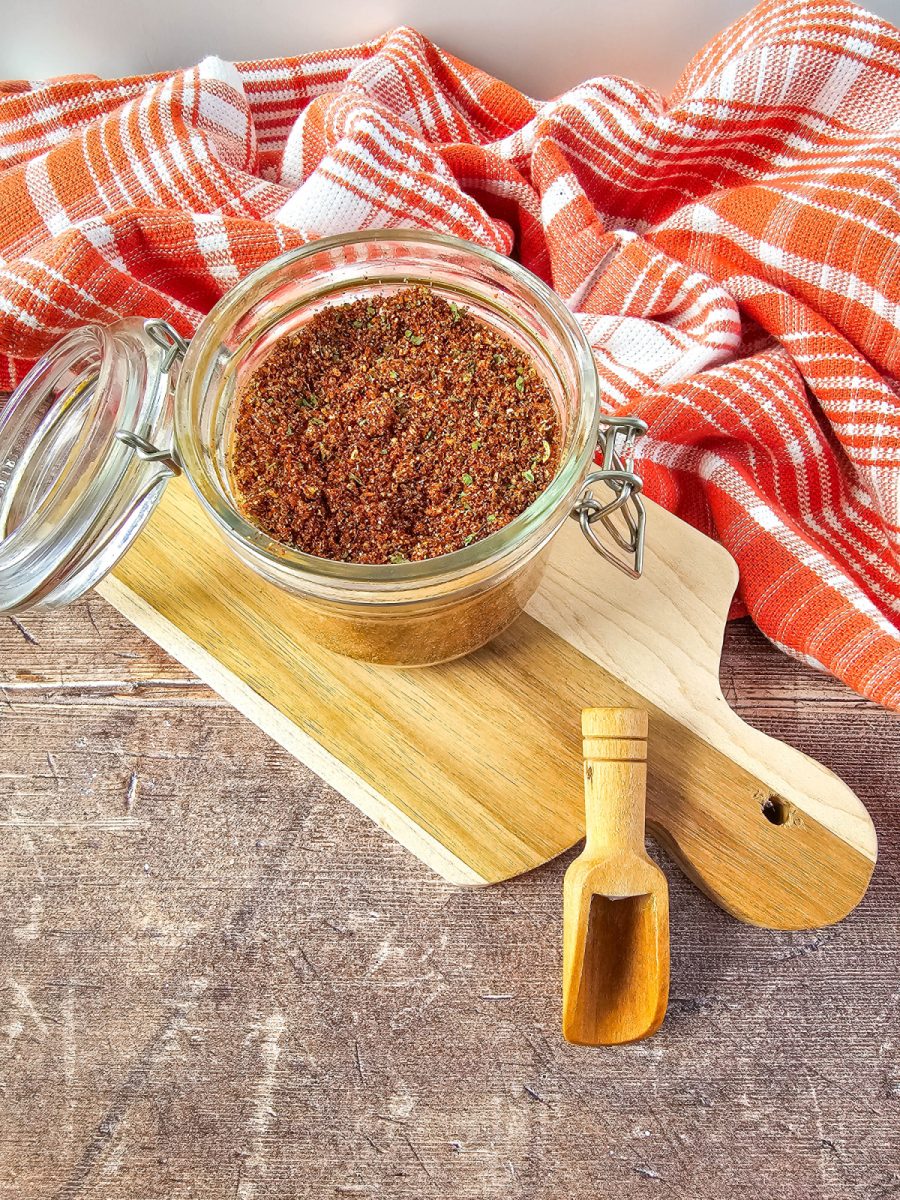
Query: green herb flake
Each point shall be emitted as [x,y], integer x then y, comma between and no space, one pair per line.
[520,384]
[529,475]
[546,450]
[393,374]
[308,401]
[467,479]
[454,310]
[397,559]
[416,339]
[491,518]
[469,539]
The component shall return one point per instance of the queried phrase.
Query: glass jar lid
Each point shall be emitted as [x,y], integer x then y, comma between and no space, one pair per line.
[80,472]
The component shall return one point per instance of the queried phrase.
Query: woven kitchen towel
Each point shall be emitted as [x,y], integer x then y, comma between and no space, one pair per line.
[733,254]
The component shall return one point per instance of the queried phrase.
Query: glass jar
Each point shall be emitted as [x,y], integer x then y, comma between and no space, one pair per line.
[90,437]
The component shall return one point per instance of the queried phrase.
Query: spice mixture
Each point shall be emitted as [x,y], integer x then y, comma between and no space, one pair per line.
[392,429]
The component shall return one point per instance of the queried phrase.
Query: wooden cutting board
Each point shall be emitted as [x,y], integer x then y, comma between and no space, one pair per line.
[475,765]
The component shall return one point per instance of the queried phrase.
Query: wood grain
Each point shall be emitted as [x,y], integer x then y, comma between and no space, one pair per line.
[220,980]
[390,740]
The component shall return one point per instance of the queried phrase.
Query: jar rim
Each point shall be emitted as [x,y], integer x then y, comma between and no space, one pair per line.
[388,580]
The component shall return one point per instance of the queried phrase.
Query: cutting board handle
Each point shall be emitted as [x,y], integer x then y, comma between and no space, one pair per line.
[753,822]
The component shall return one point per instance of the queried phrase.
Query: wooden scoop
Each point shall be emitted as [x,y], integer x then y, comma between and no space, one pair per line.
[615,900]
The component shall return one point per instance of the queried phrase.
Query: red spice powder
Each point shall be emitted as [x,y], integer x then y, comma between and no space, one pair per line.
[391,429]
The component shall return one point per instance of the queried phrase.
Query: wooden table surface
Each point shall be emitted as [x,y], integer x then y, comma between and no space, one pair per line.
[219,980]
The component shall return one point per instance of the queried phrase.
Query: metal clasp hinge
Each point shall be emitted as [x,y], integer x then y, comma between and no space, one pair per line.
[167,339]
[174,348]
[616,437]
[148,452]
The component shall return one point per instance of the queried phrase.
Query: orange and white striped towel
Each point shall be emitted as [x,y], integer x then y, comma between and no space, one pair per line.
[733,253]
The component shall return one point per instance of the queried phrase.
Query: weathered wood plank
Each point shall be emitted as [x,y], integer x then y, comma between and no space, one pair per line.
[220,980]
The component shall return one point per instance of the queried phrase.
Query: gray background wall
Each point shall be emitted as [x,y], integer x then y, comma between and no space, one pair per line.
[542,47]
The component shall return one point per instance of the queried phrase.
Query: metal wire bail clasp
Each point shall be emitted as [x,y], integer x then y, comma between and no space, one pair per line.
[616,438]
[168,339]
[174,348]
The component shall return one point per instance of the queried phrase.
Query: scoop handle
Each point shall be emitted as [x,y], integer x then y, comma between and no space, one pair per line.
[615,778]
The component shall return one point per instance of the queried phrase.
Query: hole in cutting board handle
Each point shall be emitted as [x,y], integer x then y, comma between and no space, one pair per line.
[776,810]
